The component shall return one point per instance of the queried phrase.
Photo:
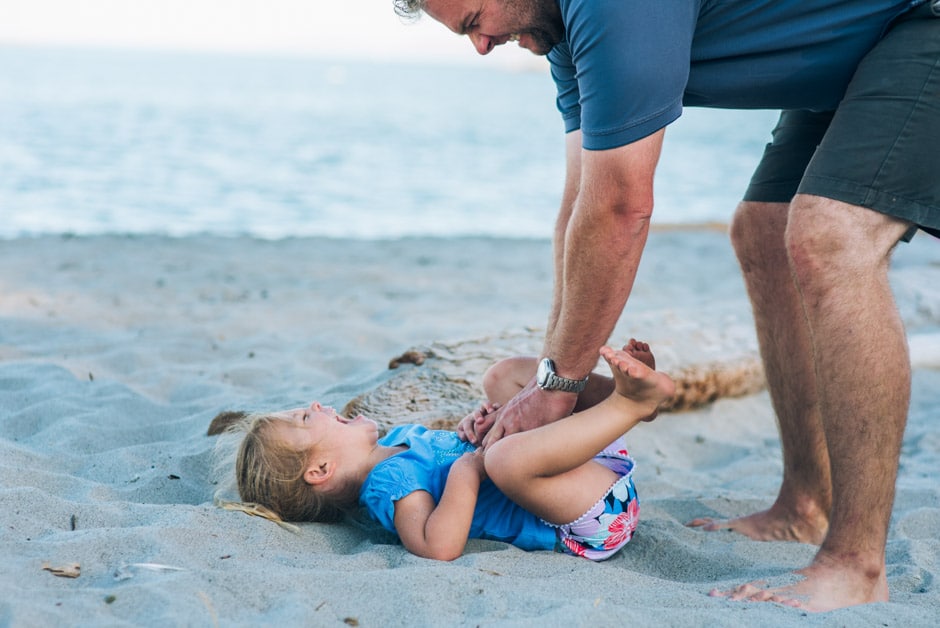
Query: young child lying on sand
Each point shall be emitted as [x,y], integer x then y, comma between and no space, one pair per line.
[543,489]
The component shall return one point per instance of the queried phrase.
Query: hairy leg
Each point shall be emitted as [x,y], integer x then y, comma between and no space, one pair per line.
[549,470]
[840,257]
[800,512]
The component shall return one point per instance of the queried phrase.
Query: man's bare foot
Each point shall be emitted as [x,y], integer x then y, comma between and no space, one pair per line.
[636,381]
[826,585]
[805,523]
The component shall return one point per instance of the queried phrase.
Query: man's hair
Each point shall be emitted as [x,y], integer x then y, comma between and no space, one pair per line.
[409,9]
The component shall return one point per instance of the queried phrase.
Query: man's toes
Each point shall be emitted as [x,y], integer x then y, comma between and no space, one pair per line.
[745,592]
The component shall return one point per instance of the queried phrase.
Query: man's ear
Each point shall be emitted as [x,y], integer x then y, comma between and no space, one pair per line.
[319,472]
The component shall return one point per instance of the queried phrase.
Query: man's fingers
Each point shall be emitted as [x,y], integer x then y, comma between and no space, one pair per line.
[482,424]
[496,432]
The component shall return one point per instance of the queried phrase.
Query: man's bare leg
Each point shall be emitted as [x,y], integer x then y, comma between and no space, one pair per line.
[800,512]
[840,255]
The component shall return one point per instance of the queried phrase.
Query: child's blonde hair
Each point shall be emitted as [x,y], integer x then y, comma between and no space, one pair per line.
[271,473]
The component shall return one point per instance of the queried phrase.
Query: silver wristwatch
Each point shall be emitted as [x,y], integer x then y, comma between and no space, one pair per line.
[547,379]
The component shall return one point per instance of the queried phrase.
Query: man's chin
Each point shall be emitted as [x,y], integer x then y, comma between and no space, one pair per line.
[539,46]
[539,52]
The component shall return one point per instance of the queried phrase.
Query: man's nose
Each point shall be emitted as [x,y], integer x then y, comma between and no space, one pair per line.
[482,43]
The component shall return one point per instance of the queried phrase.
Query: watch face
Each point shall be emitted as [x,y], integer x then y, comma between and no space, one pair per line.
[545,369]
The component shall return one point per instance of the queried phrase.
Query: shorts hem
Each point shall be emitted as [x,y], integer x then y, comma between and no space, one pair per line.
[890,204]
[768,193]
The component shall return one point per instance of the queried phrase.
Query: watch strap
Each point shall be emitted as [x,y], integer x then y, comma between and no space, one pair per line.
[552,381]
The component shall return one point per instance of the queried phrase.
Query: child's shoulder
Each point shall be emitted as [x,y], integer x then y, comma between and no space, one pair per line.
[419,437]
[402,434]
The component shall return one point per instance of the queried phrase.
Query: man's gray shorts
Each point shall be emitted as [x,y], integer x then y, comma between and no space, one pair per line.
[881,148]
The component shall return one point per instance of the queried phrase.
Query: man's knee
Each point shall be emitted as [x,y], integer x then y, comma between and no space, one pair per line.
[757,232]
[828,240]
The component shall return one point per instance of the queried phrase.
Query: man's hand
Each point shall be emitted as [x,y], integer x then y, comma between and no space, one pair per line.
[529,409]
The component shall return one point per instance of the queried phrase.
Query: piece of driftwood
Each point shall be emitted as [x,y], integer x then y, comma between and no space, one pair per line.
[439,384]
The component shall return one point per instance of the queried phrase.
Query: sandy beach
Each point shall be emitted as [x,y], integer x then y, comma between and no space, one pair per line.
[116,352]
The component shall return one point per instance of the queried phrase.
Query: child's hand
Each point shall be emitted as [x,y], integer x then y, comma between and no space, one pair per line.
[472,462]
[477,420]
[488,407]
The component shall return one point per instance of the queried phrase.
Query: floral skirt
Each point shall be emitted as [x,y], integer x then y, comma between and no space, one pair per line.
[607,526]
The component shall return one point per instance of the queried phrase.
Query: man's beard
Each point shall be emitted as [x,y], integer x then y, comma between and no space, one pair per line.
[545,26]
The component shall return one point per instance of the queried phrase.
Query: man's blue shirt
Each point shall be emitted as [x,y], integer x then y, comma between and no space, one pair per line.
[627,67]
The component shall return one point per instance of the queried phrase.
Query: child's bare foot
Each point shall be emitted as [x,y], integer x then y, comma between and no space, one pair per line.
[635,380]
[600,387]
[640,351]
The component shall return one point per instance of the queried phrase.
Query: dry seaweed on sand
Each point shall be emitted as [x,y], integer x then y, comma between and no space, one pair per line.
[257,510]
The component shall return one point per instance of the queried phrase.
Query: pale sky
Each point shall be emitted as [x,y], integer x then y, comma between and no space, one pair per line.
[360,28]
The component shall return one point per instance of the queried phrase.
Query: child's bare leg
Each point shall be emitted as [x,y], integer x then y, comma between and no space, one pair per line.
[549,470]
[507,377]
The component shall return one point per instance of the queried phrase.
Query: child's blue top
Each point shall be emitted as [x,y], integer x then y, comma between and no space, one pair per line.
[626,67]
[424,467]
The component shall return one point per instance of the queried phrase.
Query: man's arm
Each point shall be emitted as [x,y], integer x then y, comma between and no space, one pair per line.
[603,242]
[568,199]
[440,531]
[473,428]
[599,237]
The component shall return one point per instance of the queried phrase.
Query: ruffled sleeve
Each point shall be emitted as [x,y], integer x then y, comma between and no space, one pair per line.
[389,482]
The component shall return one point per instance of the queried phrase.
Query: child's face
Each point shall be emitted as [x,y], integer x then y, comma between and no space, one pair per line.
[320,426]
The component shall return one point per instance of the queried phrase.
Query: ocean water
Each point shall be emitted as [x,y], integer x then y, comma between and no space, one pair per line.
[107,141]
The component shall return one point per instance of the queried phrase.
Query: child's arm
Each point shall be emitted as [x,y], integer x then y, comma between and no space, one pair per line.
[440,531]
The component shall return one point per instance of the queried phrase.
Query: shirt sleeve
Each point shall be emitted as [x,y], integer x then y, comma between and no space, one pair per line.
[385,486]
[622,70]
